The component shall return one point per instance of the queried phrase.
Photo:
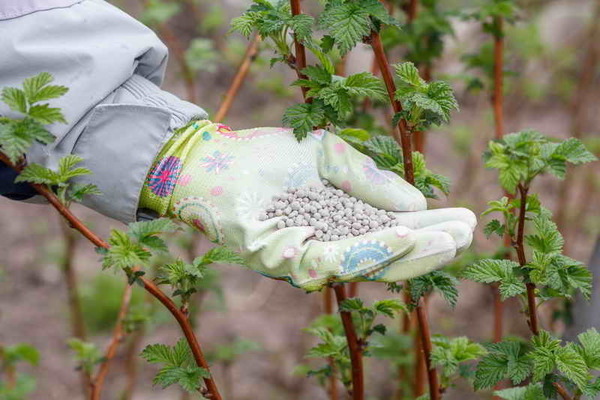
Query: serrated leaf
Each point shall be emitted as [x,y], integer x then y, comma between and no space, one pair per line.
[15,99]
[347,24]
[529,392]
[220,255]
[438,281]
[573,150]
[409,74]
[493,227]
[590,343]
[502,271]
[36,173]
[572,365]
[304,118]
[45,114]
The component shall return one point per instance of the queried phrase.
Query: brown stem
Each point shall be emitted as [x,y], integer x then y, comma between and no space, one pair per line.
[75,311]
[498,96]
[131,363]
[328,309]
[420,367]
[561,391]
[240,75]
[148,285]
[300,59]
[188,75]
[354,346]
[425,333]
[77,323]
[402,135]
[520,247]
[111,351]
[531,298]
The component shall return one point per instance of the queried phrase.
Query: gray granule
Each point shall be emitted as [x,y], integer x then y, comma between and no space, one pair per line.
[333,213]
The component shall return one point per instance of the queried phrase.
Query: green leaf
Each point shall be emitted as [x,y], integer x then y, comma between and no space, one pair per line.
[36,173]
[505,358]
[301,25]
[189,378]
[389,307]
[78,191]
[146,232]
[532,391]
[221,255]
[590,343]
[448,354]
[493,227]
[37,88]
[573,151]
[124,252]
[438,281]
[548,239]
[20,352]
[244,24]
[347,23]
[502,271]
[15,99]
[304,118]
[384,150]
[17,136]
[365,84]
[409,74]
[572,365]
[88,354]
[45,114]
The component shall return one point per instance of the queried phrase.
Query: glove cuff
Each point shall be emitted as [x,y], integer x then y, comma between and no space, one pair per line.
[165,173]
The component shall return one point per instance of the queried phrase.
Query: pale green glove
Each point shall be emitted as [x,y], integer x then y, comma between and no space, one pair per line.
[220,181]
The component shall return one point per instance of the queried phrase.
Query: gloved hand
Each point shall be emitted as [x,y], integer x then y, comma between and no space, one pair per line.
[220,181]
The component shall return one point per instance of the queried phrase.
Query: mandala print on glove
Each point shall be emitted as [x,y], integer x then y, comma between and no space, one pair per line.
[164,175]
[376,175]
[217,162]
[361,254]
[202,215]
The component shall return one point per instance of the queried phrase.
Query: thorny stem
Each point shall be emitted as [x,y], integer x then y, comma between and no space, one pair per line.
[404,141]
[402,135]
[328,309]
[340,291]
[300,59]
[240,75]
[354,346]
[188,75]
[131,365]
[111,351]
[76,314]
[498,106]
[498,95]
[149,286]
[519,245]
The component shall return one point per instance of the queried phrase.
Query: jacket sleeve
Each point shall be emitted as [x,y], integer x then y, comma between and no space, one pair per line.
[118,117]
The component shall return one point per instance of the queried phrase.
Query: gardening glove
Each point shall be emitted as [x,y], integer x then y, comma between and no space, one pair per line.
[221,181]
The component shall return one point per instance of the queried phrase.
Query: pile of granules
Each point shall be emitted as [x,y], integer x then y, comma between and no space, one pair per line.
[333,213]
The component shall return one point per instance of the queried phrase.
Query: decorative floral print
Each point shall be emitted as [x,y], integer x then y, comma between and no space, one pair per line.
[331,253]
[217,162]
[164,175]
[250,204]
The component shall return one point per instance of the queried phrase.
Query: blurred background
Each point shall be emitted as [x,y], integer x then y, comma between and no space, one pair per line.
[251,327]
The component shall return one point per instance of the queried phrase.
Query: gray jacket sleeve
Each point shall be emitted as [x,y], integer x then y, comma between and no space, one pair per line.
[118,117]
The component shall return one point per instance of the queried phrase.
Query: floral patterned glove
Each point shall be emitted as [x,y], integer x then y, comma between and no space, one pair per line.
[220,181]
